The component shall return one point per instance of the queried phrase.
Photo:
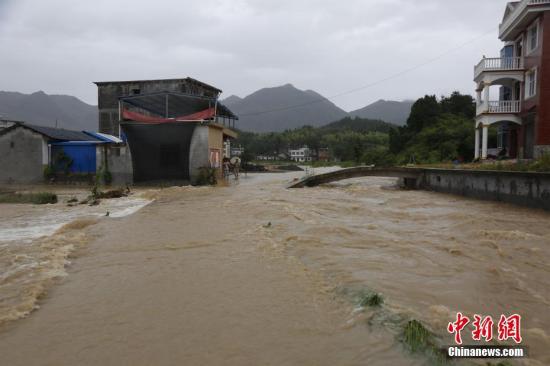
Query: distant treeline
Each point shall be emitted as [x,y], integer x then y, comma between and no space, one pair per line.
[347,139]
[437,130]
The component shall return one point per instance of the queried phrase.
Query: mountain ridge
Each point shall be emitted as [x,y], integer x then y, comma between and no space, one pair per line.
[271,109]
[39,108]
[275,109]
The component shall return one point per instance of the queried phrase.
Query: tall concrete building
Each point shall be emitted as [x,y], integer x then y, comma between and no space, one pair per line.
[111,93]
[174,127]
[520,76]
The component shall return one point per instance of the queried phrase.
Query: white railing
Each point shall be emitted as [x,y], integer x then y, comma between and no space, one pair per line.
[498,64]
[504,106]
[520,8]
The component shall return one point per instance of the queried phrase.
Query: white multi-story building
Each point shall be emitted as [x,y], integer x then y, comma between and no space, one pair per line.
[301,155]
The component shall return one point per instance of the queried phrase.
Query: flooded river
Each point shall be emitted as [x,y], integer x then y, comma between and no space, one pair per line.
[257,274]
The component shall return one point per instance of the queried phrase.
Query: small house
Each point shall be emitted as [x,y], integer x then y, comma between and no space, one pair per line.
[29,153]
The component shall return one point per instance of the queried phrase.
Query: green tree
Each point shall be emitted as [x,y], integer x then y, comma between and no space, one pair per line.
[424,112]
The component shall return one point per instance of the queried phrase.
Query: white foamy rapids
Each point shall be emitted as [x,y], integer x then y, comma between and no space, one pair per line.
[46,220]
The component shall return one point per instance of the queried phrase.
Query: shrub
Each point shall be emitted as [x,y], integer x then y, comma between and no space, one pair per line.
[49,172]
[40,198]
[104,176]
[542,164]
[63,162]
[43,198]
[206,176]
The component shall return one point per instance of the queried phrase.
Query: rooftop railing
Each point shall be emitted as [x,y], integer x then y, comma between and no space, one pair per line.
[498,64]
[520,8]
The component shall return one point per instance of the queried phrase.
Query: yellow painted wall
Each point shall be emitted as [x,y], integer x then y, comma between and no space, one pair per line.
[215,138]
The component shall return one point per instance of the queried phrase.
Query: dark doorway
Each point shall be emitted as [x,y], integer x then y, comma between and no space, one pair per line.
[159,151]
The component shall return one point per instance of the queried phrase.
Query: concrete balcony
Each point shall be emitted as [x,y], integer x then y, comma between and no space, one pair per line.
[498,64]
[522,14]
[499,107]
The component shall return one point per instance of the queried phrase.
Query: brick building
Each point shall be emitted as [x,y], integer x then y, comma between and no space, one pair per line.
[521,78]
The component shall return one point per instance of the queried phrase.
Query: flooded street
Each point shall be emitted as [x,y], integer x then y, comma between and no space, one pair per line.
[256,274]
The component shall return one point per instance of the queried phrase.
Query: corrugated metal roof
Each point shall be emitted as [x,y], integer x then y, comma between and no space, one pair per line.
[57,134]
[104,137]
[61,134]
[179,104]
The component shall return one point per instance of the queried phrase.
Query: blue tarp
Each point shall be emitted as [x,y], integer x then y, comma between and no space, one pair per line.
[81,153]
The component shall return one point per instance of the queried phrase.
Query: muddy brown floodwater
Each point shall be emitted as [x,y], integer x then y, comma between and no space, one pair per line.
[256,274]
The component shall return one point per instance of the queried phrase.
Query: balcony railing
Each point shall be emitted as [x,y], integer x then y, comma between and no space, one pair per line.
[498,64]
[520,8]
[500,106]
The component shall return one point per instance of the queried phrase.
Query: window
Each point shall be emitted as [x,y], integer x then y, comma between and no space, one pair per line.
[531,83]
[136,91]
[533,37]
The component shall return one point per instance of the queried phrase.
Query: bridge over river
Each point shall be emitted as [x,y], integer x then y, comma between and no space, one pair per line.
[410,175]
[520,188]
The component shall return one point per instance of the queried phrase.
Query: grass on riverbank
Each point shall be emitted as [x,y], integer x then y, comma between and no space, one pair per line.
[314,164]
[40,198]
[541,165]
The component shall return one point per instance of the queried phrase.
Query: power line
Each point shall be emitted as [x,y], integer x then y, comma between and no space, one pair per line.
[380,81]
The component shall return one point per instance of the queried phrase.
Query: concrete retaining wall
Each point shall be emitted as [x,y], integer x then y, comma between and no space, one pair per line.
[526,189]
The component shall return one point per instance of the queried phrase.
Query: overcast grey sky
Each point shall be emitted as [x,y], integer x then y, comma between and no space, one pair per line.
[61,46]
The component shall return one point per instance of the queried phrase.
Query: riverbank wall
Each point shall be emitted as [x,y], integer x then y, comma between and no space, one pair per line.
[520,188]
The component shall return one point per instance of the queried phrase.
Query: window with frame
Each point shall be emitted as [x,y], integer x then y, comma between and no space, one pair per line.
[531,83]
[533,37]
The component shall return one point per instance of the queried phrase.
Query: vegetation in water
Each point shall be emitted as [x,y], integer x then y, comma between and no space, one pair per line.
[40,198]
[416,336]
[418,339]
[367,298]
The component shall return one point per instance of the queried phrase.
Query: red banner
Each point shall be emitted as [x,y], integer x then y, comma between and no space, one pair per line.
[139,117]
